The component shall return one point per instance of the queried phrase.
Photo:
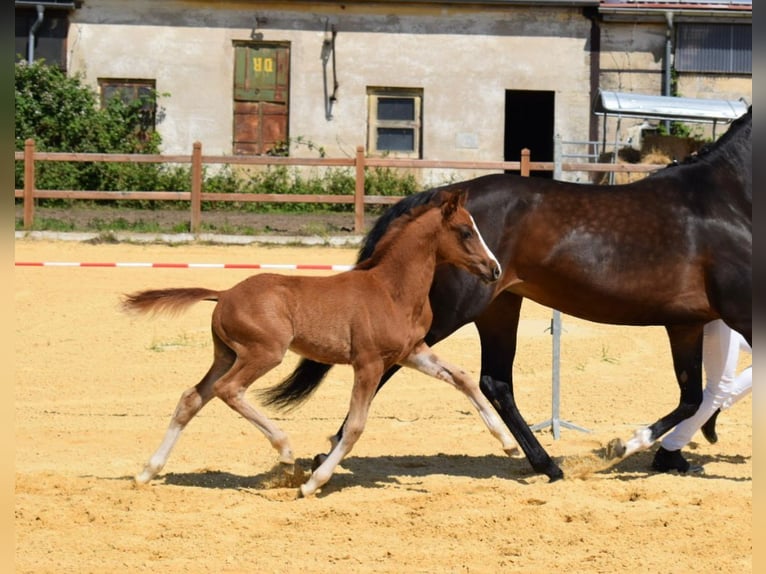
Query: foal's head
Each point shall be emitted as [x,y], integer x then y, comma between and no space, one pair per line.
[461,243]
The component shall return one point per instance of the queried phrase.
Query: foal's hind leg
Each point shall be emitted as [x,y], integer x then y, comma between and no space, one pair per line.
[231,388]
[191,402]
[424,360]
[228,379]
[365,382]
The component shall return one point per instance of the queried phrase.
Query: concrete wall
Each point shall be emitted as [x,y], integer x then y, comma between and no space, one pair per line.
[633,60]
[464,61]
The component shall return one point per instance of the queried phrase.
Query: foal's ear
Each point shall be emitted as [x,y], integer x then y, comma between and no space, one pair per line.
[455,199]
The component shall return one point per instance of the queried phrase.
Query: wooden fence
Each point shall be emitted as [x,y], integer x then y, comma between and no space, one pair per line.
[196,196]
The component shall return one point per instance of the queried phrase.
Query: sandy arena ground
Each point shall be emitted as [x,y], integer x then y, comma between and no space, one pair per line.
[427,489]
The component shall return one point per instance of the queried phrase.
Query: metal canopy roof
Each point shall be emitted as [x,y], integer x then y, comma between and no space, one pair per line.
[625,104]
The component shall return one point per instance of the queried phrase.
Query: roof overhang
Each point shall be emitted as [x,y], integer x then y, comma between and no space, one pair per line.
[623,104]
[52,4]
[718,11]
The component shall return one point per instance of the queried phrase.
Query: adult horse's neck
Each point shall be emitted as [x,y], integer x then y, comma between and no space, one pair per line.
[732,151]
[721,172]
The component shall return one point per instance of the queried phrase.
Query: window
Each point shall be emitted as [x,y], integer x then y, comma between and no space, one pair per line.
[714,48]
[133,91]
[394,122]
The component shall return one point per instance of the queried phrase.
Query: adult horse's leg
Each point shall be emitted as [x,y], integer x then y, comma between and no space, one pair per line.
[497,328]
[366,379]
[686,348]
[733,286]
[191,402]
[424,360]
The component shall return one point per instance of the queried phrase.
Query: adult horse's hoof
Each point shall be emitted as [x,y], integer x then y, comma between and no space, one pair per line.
[708,429]
[553,472]
[670,460]
[556,477]
[317,461]
[615,449]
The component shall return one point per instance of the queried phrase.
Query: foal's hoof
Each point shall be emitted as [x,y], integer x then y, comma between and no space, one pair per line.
[317,461]
[615,449]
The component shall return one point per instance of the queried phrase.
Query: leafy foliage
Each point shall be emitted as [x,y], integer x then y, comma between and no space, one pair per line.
[63,114]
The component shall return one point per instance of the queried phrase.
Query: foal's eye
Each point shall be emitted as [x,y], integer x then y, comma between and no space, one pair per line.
[466,233]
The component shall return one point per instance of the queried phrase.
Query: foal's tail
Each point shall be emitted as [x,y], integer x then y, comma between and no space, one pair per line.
[297,387]
[167,300]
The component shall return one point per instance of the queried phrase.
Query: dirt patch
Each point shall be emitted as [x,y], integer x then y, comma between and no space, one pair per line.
[427,489]
[177,221]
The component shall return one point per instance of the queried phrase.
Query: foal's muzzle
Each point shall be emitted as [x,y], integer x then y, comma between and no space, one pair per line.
[493,273]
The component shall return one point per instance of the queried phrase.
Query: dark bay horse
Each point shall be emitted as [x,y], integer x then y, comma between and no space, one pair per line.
[673,249]
[372,317]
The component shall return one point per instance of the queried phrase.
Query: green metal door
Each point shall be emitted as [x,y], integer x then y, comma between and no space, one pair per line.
[261,96]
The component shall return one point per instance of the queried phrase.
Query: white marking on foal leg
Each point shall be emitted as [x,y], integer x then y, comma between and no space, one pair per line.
[189,404]
[324,471]
[361,398]
[425,361]
[160,457]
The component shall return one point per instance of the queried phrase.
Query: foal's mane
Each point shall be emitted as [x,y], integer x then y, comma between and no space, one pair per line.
[387,227]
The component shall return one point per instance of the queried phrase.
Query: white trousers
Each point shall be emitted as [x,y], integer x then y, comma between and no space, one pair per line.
[720,354]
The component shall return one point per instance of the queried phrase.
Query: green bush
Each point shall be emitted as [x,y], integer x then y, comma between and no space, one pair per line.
[62,114]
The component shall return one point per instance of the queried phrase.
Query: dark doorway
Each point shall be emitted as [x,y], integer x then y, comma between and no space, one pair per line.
[529,124]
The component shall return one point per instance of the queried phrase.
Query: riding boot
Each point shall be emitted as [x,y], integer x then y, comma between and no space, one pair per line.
[668,460]
[708,429]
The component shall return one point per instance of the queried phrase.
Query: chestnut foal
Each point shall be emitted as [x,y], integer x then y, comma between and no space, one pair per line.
[371,317]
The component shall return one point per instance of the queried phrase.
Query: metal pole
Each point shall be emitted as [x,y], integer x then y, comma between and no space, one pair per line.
[555,421]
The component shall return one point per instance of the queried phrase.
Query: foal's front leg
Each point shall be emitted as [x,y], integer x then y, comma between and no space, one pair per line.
[424,360]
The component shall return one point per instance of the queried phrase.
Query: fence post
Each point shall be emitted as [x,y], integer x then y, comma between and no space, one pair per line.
[29,183]
[359,191]
[196,188]
[525,162]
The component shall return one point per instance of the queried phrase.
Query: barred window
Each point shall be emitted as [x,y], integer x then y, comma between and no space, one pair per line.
[130,91]
[394,122]
[714,48]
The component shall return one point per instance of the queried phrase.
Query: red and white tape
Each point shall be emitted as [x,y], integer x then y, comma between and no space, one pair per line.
[133,265]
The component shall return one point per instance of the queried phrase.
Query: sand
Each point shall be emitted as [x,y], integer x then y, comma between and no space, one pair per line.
[427,488]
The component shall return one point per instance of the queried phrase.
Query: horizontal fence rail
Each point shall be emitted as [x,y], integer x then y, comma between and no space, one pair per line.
[197,195]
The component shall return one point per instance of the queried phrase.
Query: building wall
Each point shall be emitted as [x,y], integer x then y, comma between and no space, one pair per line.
[463,59]
[633,60]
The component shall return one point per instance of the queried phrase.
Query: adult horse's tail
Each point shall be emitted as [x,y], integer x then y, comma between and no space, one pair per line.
[298,386]
[167,300]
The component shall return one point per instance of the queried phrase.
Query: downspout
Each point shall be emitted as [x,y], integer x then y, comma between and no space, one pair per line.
[32,30]
[668,62]
[594,69]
